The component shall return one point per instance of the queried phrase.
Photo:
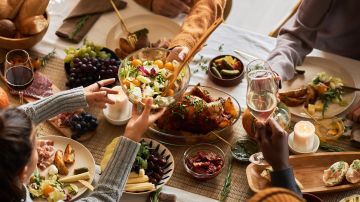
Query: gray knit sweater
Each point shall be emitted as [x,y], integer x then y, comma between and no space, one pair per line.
[113,179]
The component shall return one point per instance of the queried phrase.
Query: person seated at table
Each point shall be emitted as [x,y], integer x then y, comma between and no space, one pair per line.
[18,141]
[273,144]
[320,24]
[202,14]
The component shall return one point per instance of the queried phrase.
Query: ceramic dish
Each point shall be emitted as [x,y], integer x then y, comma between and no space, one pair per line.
[182,138]
[334,129]
[160,148]
[230,81]
[313,66]
[295,151]
[83,158]
[308,170]
[159,27]
[243,148]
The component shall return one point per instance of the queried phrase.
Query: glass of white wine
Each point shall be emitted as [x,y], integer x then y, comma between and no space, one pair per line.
[261,100]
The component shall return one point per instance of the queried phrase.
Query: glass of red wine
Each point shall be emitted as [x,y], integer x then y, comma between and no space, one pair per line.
[261,100]
[18,71]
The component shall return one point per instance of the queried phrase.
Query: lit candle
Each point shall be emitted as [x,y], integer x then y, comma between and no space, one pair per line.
[304,133]
[120,99]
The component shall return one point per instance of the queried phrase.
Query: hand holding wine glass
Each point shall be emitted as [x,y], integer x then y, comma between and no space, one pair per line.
[18,71]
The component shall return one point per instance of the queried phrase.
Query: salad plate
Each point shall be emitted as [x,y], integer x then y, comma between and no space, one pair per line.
[83,158]
[159,27]
[312,67]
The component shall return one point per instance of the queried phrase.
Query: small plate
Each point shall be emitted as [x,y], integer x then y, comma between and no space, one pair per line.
[292,148]
[123,118]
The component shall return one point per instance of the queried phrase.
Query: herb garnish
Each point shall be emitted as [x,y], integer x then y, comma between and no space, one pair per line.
[330,148]
[227,183]
[44,60]
[154,196]
[328,96]
[79,25]
[221,47]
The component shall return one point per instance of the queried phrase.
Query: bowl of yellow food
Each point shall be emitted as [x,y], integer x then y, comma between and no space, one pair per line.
[329,129]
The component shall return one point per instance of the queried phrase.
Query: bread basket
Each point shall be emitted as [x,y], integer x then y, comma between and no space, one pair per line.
[26,42]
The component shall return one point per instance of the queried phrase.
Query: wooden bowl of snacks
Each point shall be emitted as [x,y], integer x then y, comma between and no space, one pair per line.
[226,70]
[15,40]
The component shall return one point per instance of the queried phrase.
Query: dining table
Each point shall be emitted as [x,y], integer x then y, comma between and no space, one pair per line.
[225,40]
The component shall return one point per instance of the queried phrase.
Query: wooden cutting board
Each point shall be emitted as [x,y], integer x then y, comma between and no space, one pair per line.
[308,169]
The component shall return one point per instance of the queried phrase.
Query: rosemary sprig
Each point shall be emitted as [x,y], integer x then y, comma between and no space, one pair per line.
[79,24]
[330,148]
[45,59]
[227,183]
[154,196]
[221,47]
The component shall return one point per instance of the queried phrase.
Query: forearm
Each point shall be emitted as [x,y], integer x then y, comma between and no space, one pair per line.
[114,177]
[285,179]
[203,13]
[49,107]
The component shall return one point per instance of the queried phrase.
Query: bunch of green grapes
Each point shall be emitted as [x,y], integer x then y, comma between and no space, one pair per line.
[89,50]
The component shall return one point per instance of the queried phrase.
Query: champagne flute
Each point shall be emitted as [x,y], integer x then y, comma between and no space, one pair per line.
[18,71]
[261,101]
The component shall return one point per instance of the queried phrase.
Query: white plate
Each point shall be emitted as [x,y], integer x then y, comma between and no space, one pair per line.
[313,66]
[83,158]
[292,148]
[159,27]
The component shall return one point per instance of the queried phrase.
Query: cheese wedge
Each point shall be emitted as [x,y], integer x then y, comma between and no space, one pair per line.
[140,187]
[144,178]
[75,178]
[135,175]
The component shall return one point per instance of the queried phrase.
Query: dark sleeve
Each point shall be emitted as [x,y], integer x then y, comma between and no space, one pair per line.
[285,179]
[297,37]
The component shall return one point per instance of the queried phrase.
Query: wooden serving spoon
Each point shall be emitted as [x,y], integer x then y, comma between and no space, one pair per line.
[193,51]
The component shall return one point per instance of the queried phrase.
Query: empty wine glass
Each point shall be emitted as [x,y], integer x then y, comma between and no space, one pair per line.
[18,71]
[261,100]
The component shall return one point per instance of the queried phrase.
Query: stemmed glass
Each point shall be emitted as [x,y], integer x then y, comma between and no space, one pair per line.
[18,71]
[261,99]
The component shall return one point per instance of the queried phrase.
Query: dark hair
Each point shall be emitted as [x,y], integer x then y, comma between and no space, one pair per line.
[15,152]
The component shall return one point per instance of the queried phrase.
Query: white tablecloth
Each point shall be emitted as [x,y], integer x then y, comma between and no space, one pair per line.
[233,39]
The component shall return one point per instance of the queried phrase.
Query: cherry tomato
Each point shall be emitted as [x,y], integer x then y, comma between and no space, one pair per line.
[136,62]
[159,63]
[136,82]
[169,66]
[126,83]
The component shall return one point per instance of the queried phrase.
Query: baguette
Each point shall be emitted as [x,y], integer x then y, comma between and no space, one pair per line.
[33,25]
[60,164]
[31,8]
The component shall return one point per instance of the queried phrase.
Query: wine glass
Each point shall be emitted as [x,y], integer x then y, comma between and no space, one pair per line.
[18,71]
[261,100]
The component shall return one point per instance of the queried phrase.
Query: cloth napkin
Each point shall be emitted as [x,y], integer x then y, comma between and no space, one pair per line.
[83,17]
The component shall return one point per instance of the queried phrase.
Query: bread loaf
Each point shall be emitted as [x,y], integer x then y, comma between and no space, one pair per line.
[33,25]
[29,9]
[9,8]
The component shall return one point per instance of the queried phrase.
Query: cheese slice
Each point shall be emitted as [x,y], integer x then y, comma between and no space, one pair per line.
[75,178]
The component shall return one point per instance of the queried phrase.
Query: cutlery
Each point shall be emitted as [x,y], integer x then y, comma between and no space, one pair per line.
[193,51]
[351,88]
[222,139]
[243,54]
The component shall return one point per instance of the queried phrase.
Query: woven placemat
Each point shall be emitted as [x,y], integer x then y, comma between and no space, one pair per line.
[240,190]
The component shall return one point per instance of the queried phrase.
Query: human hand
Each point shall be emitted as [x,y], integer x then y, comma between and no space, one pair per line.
[178,53]
[96,94]
[273,143]
[354,114]
[170,8]
[139,123]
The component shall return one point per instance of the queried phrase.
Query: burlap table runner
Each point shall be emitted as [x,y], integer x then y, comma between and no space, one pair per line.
[240,190]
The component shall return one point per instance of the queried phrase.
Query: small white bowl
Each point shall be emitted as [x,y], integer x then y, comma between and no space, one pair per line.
[123,118]
[293,149]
